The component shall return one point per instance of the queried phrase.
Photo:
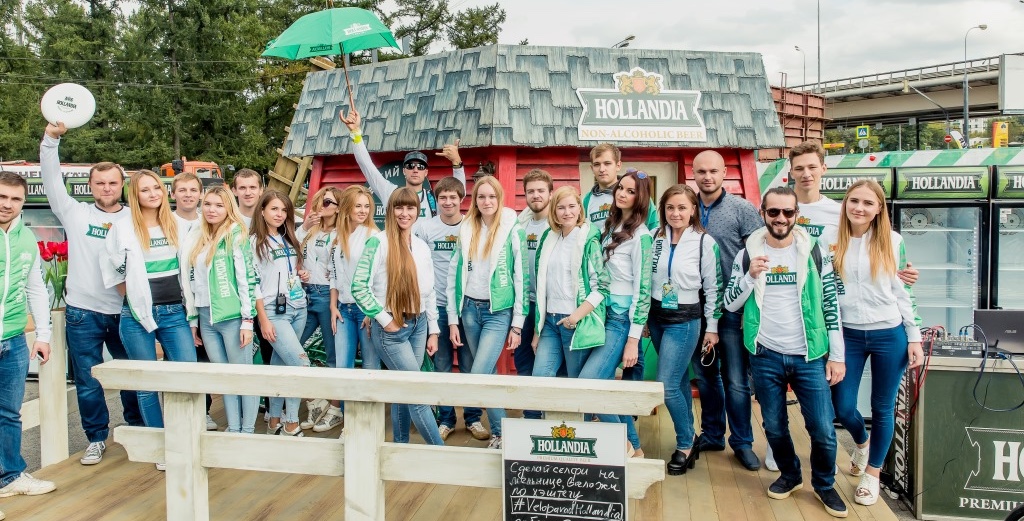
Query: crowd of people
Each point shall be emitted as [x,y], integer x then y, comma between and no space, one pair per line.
[802,293]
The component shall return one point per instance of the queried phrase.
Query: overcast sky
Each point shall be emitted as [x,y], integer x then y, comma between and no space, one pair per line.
[857,36]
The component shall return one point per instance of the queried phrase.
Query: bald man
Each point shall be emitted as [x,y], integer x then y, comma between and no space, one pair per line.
[724,386]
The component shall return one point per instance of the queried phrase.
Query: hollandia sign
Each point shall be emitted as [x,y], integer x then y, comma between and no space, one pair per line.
[1010,183]
[836,181]
[639,108]
[943,183]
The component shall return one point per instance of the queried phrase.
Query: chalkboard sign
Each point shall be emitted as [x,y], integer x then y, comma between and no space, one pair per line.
[564,471]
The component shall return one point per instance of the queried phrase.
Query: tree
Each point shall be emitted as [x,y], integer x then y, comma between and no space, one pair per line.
[476,26]
[422,20]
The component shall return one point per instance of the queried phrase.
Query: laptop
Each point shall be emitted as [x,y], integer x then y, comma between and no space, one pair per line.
[1003,327]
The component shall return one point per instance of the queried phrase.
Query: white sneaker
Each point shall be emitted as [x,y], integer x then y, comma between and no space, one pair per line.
[495,443]
[283,431]
[769,460]
[27,485]
[331,419]
[211,425]
[867,490]
[859,460]
[93,453]
[316,409]
[478,431]
[162,467]
[445,431]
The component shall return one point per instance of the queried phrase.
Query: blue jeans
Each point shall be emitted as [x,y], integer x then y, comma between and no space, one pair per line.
[318,314]
[224,346]
[888,351]
[13,371]
[443,362]
[486,333]
[87,331]
[553,350]
[675,344]
[732,365]
[175,336]
[403,350]
[524,357]
[772,373]
[602,362]
[287,351]
[352,335]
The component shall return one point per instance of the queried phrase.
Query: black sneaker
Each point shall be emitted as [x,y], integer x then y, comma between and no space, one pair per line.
[748,459]
[834,504]
[783,487]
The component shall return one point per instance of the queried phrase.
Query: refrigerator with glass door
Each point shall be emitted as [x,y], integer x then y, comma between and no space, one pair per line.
[1007,239]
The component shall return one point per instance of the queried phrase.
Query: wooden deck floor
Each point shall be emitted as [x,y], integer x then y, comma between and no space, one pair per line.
[717,489]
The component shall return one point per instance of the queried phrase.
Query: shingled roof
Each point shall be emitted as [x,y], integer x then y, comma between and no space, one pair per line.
[514,95]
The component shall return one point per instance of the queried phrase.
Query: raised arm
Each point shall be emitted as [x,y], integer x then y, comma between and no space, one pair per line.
[61,203]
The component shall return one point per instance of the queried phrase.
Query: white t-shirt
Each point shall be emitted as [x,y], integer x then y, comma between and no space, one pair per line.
[478,282]
[818,216]
[278,273]
[162,268]
[782,328]
[441,238]
[316,256]
[534,228]
[185,225]
[561,291]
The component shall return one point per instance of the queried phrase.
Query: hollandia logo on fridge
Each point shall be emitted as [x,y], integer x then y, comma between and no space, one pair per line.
[943,183]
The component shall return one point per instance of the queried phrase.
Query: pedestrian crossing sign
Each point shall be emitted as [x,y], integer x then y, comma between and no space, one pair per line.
[863,132]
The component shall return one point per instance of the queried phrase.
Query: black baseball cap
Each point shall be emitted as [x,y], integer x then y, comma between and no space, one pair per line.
[415,156]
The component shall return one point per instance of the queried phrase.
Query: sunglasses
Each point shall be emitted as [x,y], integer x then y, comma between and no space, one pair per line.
[640,174]
[774,212]
[415,166]
[328,203]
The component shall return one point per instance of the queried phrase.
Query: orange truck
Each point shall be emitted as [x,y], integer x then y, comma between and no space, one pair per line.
[208,172]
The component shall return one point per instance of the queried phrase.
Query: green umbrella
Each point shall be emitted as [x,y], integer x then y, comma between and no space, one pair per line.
[341,30]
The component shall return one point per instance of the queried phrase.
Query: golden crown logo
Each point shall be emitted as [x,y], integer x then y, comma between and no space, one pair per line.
[780,269]
[638,83]
[605,207]
[803,220]
[832,248]
[563,431]
[106,226]
[531,237]
[451,238]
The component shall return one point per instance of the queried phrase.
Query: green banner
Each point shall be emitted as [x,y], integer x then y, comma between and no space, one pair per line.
[36,192]
[943,183]
[1010,182]
[836,181]
[79,188]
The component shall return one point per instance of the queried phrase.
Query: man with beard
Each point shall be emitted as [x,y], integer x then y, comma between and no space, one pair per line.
[724,386]
[793,332]
[537,185]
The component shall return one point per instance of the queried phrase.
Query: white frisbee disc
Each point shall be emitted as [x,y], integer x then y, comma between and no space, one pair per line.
[68,102]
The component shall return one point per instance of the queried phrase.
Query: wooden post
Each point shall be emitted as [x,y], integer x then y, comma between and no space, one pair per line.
[53,397]
[364,436]
[188,488]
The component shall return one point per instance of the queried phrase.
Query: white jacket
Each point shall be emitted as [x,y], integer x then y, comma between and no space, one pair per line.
[126,263]
[869,303]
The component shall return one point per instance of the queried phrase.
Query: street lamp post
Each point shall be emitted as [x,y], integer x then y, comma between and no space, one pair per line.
[967,113]
[907,87]
[797,47]
[817,84]
[624,43]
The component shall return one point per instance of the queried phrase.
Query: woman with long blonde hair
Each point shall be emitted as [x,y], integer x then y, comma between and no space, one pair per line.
[879,323]
[282,310]
[486,285]
[353,224]
[219,287]
[316,236]
[144,266]
[393,286]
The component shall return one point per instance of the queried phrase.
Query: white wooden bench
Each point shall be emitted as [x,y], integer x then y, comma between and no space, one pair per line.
[362,455]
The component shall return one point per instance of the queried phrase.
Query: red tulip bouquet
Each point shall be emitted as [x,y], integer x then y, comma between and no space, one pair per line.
[55,253]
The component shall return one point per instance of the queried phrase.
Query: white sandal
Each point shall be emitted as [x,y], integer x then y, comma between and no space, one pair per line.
[859,461]
[867,490]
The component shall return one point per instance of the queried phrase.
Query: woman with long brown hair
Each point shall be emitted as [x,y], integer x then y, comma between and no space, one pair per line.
[879,323]
[144,266]
[686,261]
[282,310]
[394,287]
[626,245]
